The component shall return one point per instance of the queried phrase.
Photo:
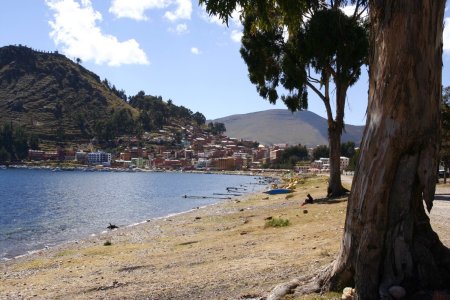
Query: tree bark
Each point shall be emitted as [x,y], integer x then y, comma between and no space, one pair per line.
[335,188]
[388,239]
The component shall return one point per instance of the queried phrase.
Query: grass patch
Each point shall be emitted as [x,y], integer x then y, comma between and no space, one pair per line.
[36,264]
[277,222]
[65,253]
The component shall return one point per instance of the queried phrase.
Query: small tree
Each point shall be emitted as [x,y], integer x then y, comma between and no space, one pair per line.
[321,151]
[199,118]
[300,45]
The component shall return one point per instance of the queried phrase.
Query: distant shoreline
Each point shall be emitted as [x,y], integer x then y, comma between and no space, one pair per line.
[85,168]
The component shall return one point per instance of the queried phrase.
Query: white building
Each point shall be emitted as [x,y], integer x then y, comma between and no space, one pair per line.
[99,158]
[344,162]
[323,164]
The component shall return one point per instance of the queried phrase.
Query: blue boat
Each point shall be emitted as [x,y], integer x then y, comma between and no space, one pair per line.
[278,191]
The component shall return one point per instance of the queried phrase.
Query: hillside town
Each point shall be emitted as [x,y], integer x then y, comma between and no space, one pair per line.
[197,150]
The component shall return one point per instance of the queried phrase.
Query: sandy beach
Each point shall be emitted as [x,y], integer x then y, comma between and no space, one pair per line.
[223,251]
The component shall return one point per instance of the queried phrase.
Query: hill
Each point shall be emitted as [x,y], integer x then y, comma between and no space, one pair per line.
[60,101]
[282,126]
[53,97]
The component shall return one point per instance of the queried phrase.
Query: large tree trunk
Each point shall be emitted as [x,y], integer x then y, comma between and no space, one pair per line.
[388,239]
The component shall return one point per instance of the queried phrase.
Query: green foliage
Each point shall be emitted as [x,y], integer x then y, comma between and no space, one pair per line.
[199,118]
[290,157]
[333,45]
[216,128]
[348,149]
[321,151]
[13,143]
[277,222]
[353,163]
[4,155]
[119,123]
[156,113]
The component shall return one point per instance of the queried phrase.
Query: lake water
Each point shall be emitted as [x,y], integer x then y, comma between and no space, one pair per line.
[40,208]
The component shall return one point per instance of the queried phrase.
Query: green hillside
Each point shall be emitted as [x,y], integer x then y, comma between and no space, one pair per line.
[50,95]
[59,100]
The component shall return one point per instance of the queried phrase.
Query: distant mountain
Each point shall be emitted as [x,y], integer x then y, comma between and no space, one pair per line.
[50,95]
[282,126]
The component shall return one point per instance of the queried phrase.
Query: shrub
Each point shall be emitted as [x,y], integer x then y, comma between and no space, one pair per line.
[107,243]
[277,222]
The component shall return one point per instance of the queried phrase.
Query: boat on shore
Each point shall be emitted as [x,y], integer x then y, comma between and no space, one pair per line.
[278,191]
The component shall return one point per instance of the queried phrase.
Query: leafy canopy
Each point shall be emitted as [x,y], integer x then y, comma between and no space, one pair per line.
[284,41]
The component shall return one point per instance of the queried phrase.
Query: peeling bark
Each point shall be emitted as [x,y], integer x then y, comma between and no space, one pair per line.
[388,239]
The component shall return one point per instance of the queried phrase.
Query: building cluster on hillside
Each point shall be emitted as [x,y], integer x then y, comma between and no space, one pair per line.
[197,150]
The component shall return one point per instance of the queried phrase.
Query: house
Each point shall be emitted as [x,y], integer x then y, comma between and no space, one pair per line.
[99,158]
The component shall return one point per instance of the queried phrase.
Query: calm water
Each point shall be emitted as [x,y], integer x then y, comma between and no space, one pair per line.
[40,208]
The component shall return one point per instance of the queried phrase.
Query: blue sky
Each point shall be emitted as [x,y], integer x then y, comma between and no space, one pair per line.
[170,48]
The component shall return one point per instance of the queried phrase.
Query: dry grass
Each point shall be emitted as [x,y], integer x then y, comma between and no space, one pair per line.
[226,254]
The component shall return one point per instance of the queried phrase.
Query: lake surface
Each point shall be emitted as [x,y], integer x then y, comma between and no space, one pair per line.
[40,208]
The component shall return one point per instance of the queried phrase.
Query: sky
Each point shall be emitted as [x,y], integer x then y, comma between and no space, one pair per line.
[168,48]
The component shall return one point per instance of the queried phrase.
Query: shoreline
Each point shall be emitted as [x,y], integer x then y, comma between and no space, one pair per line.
[94,235]
[267,173]
[220,251]
[99,233]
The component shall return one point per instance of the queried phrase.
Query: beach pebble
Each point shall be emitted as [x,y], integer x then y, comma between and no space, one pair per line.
[397,292]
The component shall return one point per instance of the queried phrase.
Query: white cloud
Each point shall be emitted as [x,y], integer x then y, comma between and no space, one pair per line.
[179,29]
[183,11]
[75,28]
[446,38]
[236,35]
[135,9]
[195,51]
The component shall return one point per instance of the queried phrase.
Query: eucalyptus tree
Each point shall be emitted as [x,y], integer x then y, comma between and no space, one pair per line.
[290,46]
[388,240]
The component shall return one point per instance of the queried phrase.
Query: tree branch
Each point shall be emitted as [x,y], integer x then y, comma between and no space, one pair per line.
[317,91]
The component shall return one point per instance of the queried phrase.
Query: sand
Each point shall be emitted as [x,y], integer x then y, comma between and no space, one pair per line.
[223,251]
